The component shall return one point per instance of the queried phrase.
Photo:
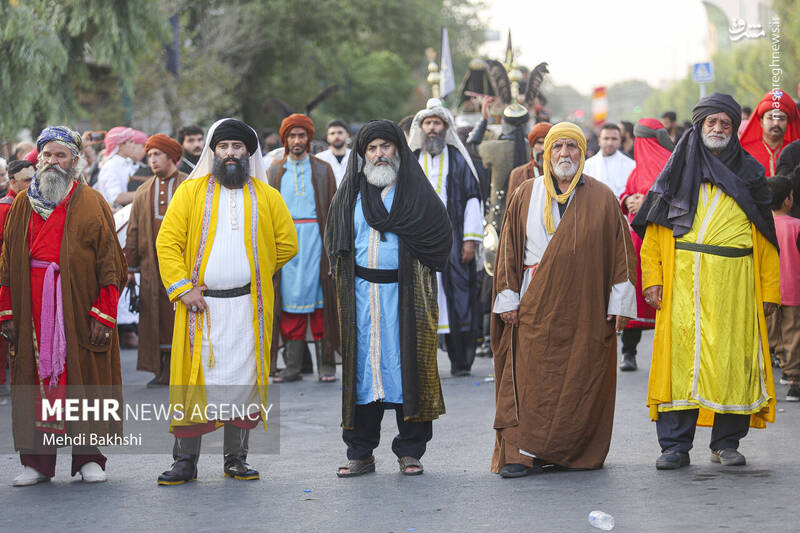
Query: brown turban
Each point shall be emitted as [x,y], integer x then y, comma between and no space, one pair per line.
[166,144]
[297,120]
[538,131]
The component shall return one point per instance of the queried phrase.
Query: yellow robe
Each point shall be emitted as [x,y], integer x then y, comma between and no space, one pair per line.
[183,246]
[720,364]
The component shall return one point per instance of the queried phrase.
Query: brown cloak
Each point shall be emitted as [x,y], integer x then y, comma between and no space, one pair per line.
[324,188]
[555,381]
[91,258]
[140,252]
[519,175]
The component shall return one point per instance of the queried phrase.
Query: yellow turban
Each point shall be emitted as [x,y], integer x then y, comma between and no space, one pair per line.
[562,130]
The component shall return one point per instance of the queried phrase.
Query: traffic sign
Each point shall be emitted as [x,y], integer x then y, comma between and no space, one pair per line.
[703,72]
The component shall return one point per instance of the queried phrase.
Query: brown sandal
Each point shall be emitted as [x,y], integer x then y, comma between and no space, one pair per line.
[410,462]
[357,467]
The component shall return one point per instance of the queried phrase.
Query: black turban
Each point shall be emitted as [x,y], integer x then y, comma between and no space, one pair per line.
[418,217]
[672,200]
[17,165]
[235,130]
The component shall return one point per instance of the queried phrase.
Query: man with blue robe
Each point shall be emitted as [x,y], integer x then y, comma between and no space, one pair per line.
[449,169]
[304,293]
[387,234]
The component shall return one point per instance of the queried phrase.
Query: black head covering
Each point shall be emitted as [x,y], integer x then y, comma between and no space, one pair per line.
[15,166]
[789,166]
[519,135]
[672,200]
[418,217]
[235,130]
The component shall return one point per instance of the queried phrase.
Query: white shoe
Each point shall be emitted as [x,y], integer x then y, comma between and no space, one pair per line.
[29,476]
[92,473]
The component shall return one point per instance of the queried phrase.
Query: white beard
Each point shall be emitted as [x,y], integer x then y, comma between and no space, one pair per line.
[565,172]
[54,184]
[381,175]
[715,144]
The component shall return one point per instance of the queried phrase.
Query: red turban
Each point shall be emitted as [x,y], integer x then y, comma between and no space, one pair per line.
[538,131]
[297,120]
[752,134]
[166,144]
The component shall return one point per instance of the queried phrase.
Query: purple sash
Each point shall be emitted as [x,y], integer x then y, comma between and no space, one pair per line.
[53,342]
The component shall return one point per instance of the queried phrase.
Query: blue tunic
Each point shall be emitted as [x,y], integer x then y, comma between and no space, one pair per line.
[301,288]
[378,369]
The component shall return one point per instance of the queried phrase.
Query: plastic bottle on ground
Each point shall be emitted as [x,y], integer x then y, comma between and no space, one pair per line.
[601,520]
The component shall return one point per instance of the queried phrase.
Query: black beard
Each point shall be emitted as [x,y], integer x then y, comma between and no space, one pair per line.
[434,145]
[339,145]
[232,176]
[193,159]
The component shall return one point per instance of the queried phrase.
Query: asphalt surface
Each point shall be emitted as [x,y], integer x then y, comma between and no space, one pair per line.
[299,490]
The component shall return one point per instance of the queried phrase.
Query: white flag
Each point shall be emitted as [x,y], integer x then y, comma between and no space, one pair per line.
[447,82]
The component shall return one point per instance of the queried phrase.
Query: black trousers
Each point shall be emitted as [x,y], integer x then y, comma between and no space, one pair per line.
[676,430]
[630,339]
[365,437]
[460,349]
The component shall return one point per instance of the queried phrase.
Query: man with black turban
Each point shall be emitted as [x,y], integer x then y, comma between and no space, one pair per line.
[710,269]
[387,234]
[225,234]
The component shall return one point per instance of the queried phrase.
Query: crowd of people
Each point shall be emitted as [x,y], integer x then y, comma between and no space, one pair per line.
[219,253]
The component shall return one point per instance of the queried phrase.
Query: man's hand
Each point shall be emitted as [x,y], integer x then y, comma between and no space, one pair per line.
[100,333]
[652,296]
[194,301]
[619,321]
[510,317]
[633,203]
[486,103]
[467,252]
[769,308]
[132,278]
[9,332]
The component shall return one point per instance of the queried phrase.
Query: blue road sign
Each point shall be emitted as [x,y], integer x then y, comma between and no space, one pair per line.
[703,72]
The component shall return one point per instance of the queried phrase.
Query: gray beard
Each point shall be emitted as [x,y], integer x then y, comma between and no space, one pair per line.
[54,183]
[714,144]
[381,175]
[565,173]
[232,176]
[434,145]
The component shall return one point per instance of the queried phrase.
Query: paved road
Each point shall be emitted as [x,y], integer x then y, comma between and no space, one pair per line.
[457,492]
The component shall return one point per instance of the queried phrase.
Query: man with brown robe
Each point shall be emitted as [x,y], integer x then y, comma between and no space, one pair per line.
[534,167]
[156,313]
[60,274]
[564,283]
[305,296]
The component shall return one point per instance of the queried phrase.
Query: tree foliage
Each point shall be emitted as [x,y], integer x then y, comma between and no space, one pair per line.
[77,60]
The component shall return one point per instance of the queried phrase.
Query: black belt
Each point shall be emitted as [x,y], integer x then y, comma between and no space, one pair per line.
[377,275]
[227,293]
[724,251]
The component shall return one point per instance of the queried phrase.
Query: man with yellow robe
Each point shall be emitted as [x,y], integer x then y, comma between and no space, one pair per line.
[710,269]
[223,237]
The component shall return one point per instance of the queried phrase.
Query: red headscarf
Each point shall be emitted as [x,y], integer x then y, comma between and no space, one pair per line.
[751,137]
[650,158]
[297,120]
[166,144]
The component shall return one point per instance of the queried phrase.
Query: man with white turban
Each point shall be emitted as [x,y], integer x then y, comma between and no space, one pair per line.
[449,168]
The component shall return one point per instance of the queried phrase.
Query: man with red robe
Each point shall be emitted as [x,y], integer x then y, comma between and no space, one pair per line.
[59,313]
[774,124]
[652,148]
[20,175]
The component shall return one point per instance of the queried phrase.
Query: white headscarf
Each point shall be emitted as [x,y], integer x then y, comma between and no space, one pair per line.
[205,164]
[434,108]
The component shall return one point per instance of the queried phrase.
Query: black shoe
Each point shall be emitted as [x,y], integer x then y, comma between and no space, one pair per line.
[628,362]
[236,468]
[794,393]
[183,470]
[671,460]
[460,373]
[483,350]
[155,384]
[513,470]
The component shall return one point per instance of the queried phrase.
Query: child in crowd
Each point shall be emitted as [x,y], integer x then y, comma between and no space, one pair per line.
[785,322]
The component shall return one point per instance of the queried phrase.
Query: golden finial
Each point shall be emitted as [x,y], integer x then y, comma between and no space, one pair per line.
[433,72]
